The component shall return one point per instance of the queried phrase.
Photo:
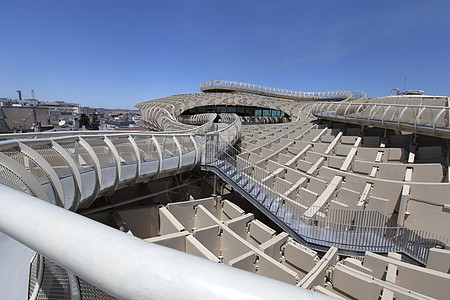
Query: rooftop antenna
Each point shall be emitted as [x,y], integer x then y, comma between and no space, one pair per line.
[404,85]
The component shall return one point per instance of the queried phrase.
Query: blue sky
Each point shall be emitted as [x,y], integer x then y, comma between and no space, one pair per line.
[117,53]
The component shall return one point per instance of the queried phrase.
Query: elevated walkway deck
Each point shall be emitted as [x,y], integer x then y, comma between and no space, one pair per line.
[225,85]
[425,115]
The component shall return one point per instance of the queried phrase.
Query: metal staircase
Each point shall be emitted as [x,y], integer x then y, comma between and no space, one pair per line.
[352,231]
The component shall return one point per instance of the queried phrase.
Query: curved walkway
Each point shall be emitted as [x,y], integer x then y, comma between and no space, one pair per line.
[73,170]
[224,85]
[421,115]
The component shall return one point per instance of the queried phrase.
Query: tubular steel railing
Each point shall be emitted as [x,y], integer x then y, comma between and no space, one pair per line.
[198,119]
[74,169]
[354,230]
[55,168]
[423,119]
[113,261]
[282,93]
[158,117]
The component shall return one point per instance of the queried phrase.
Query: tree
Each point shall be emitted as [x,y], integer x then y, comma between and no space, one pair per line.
[95,123]
[84,120]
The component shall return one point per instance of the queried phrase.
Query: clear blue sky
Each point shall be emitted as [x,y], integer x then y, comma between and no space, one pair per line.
[117,53]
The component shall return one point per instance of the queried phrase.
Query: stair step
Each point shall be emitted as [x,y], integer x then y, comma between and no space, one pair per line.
[267,201]
[244,184]
[237,178]
[274,206]
[294,223]
[261,197]
[232,173]
[255,191]
[281,212]
[288,217]
[226,169]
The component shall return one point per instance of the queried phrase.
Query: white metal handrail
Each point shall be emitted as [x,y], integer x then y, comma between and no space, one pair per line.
[159,118]
[198,119]
[124,266]
[52,167]
[268,91]
[94,133]
[52,161]
[424,119]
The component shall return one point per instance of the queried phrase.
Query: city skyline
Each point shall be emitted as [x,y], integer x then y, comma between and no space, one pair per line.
[116,54]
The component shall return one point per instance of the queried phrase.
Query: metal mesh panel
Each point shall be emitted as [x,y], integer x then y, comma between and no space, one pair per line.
[55,283]
[52,156]
[147,148]
[15,153]
[15,179]
[127,156]
[78,153]
[124,148]
[186,144]
[69,146]
[89,291]
[59,165]
[43,178]
[168,146]
[102,151]
[30,164]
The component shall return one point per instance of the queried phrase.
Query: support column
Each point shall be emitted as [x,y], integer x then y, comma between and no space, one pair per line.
[406,187]
[448,161]
[214,193]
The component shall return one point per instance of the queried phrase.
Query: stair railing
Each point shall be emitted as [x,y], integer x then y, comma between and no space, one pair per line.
[367,230]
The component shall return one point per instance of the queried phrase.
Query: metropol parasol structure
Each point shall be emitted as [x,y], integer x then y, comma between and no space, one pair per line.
[329,194]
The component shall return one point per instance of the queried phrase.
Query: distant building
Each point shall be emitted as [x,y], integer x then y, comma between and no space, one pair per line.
[24,118]
[72,108]
[85,110]
[119,124]
[18,103]
[24,115]
[3,127]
